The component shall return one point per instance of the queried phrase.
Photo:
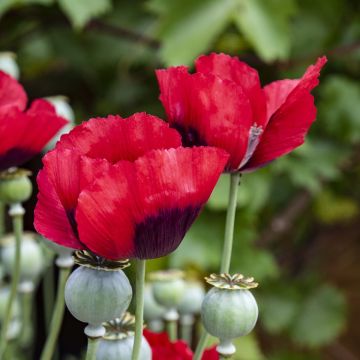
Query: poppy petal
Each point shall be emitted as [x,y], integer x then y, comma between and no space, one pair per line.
[12,94]
[292,119]
[41,125]
[144,209]
[25,134]
[67,173]
[51,219]
[115,138]
[194,105]
[231,68]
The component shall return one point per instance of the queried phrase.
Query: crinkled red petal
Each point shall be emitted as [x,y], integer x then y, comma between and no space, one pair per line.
[292,118]
[144,209]
[51,219]
[207,110]
[12,94]
[231,68]
[115,138]
[25,134]
[67,173]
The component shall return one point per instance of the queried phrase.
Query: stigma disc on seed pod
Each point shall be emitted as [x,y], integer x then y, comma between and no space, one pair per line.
[118,341]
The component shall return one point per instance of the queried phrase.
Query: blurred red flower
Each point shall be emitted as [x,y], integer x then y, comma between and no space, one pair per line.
[163,349]
[104,188]
[223,104]
[23,132]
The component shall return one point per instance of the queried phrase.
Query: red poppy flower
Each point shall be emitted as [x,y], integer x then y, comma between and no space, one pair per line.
[163,349]
[222,104]
[23,133]
[139,209]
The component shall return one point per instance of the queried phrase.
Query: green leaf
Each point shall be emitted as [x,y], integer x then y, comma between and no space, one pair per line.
[253,193]
[278,309]
[331,208]
[321,318]
[340,108]
[81,11]
[312,163]
[265,24]
[189,27]
[201,247]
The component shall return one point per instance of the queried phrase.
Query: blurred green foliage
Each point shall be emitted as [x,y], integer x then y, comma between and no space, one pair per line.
[102,55]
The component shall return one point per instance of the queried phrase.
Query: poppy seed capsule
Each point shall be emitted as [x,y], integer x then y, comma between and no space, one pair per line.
[32,259]
[192,298]
[95,296]
[229,309]
[15,186]
[168,287]
[122,349]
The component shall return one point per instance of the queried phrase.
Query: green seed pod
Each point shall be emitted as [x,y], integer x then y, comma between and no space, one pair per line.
[118,341]
[15,186]
[8,64]
[95,296]
[32,260]
[122,349]
[152,310]
[229,310]
[168,287]
[192,298]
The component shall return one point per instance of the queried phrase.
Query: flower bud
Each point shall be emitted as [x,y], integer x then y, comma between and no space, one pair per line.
[97,295]
[118,341]
[229,310]
[8,64]
[15,186]
[32,259]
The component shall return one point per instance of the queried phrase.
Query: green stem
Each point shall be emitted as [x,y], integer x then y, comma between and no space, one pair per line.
[48,295]
[139,312]
[186,332]
[2,219]
[57,317]
[227,248]
[230,222]
[27,320]
[17,218]
[91,348]
[201,345]
[171,328]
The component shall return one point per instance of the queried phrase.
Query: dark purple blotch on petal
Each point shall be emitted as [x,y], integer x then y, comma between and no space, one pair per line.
[15,157]
[159,235]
